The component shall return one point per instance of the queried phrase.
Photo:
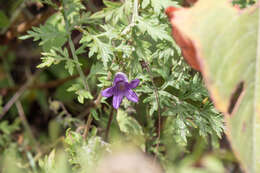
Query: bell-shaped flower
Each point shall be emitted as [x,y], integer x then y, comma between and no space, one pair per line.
[121,87]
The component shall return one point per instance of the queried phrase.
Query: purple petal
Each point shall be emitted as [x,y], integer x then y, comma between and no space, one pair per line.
[107,92]
[134,83]
[120,77]
[117,100]
[130,95]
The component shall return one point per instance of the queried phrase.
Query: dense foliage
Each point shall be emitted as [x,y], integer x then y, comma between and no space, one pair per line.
[59,121]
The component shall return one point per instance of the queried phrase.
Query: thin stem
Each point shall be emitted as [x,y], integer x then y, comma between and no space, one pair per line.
[81,74]
[90,118]
[25,122]
[72,49]
[96,104]
[50,84]
[15,99]
[17,95]
[109,124]
[158,111]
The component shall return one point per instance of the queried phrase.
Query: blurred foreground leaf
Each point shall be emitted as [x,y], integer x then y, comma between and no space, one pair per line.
[222,40]
[130,127]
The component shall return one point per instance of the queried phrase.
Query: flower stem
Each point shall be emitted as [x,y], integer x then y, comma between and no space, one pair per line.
[158,111]
[109,124]
[96,103]
[87,126]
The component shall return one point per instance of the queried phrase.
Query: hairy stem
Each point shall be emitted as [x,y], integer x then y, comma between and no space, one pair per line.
[72,49]
[96,104]
[81,74]
[158,111]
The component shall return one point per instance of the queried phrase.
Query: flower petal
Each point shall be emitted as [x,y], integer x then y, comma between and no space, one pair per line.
[134,83]
[131,95]
[117,100]
[120,77]
[107,92]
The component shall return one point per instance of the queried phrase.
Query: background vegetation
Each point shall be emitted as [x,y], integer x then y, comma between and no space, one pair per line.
[57,57]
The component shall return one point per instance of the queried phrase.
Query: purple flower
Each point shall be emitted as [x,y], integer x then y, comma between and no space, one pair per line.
[121,87]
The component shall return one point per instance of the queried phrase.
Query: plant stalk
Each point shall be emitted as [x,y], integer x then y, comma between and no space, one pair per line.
[87,126]
[158,111]
[109,124]
[72,49]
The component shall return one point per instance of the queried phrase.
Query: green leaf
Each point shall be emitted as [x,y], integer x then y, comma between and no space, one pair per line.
[81,92]
[145,3]
[47,62]
[94,114]
[82,153]
[51,34]
[128,124]
[72,10]
[114,11]
[85,94]
[153,28]
[104,50]
[54,56]
[73,138]
[158,5]
[48,35]
[81,99]
[74,87]
[69,65]
[110,4]
[7,128]
[230,63]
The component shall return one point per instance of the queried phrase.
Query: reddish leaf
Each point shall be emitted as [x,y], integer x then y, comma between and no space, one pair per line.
[222,42]
[186,45]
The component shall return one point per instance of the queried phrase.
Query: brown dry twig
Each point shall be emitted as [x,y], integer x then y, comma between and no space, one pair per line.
[50,84]
[25,123]
[17,95]
[17,29]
